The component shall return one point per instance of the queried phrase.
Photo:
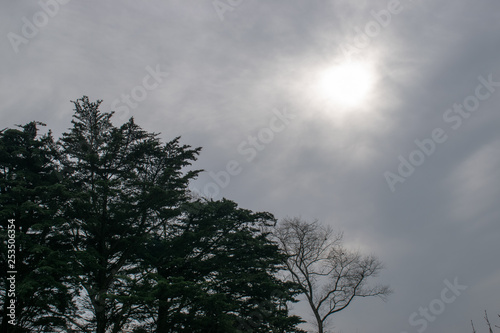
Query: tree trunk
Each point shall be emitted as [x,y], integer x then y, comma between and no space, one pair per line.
[101,320]
[318,321]
[320,327]
[162,326]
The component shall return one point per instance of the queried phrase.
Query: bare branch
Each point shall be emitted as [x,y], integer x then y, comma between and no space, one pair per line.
[487,321]
[330,276]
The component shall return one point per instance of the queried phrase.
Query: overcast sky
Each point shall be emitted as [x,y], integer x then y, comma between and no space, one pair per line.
[402,153]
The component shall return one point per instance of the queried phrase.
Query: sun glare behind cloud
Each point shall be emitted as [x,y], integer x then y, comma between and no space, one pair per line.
[347,84]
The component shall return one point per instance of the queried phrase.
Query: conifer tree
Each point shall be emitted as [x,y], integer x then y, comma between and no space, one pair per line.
[33,196]
[109,238]
[124,184]
[216,272]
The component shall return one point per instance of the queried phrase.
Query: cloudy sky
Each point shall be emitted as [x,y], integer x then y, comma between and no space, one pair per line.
[379,118]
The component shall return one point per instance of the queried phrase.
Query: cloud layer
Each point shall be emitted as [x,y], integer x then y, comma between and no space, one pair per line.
[231,70]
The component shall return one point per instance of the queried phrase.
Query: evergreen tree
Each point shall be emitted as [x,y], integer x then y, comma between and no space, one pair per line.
[109,239]
[124,184]
[216,272]
[32,195]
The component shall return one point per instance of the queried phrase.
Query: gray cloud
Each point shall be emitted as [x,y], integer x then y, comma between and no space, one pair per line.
[225,79]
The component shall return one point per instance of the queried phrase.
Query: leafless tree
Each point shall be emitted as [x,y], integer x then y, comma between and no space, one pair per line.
[329,275]
[487,321]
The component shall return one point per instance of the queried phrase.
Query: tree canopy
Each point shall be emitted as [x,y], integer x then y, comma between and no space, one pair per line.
[327,273]
[110,239]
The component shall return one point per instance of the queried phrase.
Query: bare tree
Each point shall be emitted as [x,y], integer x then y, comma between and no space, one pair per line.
[328,274]
[487,322]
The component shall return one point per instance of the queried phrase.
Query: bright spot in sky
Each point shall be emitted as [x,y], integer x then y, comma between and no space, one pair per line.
[347,84]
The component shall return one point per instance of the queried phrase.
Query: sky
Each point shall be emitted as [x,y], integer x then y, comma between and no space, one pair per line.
[377,118]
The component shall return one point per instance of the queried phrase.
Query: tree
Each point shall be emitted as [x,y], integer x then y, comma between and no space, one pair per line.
[124,185]
[109,238]
[329,275]
[216,272]
[32,195]
[487,322]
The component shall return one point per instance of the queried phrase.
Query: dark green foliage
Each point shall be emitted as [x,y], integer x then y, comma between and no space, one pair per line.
[216,272]
[125,184]
[32,194]
[111,241]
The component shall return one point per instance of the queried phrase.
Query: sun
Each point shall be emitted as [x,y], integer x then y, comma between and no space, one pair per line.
[347,84]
